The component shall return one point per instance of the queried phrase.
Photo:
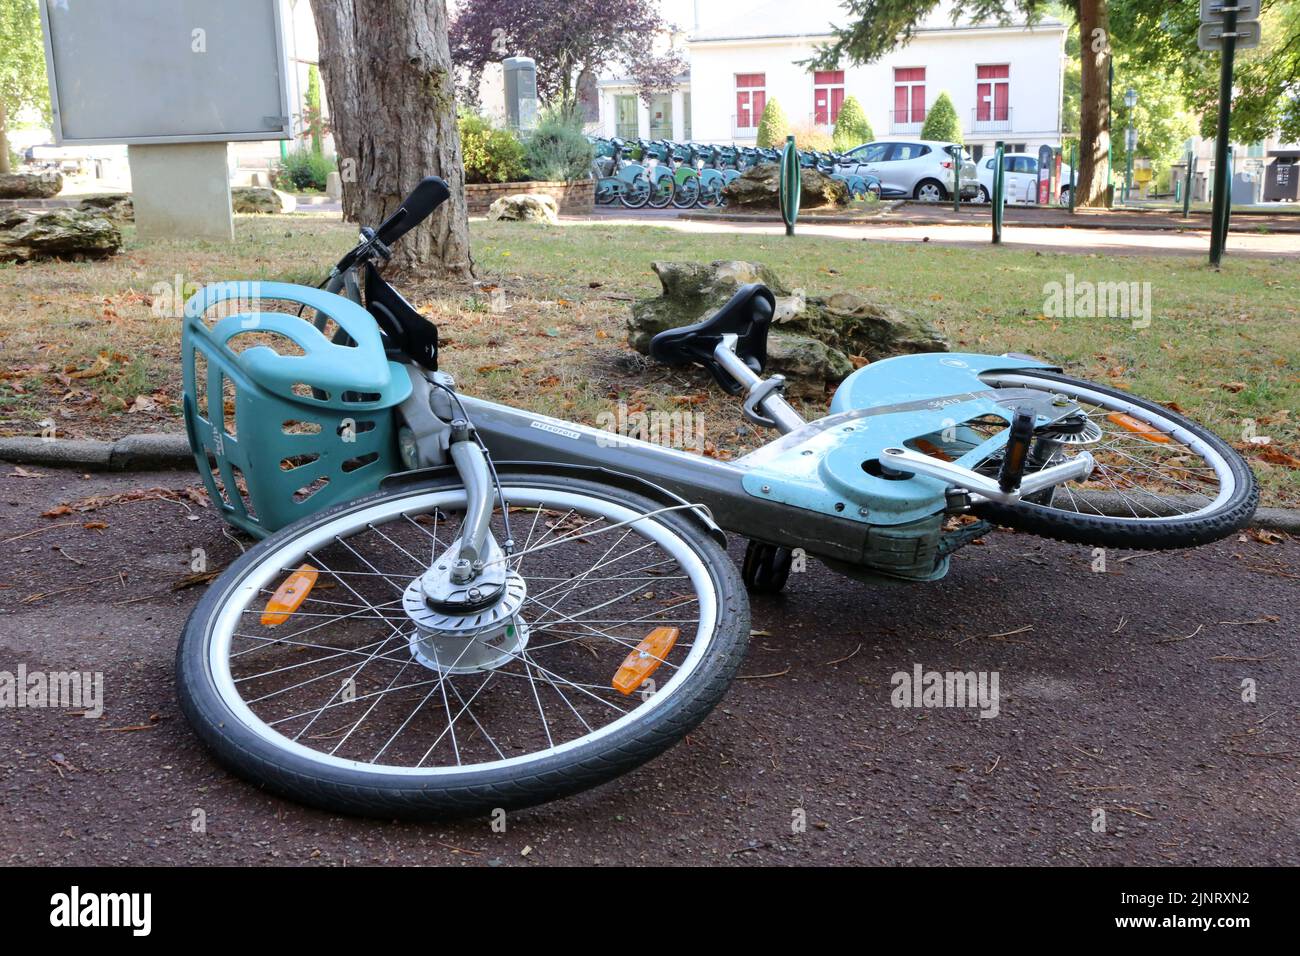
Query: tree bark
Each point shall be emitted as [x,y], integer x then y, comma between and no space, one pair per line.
[1094,123]
[387,73]
[4,139]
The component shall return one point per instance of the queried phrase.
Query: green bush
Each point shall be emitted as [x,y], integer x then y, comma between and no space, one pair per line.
[302,169]
[941,122]
[490,155]
[558,150]
[851,127]
[773,128]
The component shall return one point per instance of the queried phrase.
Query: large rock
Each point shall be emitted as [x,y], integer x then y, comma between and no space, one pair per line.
[759,188]
[117,207]
[30,185]
[261,199]
[525,207]
[814,339]
[56,234]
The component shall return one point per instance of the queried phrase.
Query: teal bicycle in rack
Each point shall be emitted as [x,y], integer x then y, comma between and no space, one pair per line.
[457,605]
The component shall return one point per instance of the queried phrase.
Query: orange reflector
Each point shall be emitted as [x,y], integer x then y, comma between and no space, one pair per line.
[1138,427]
[644,659]
[288,597]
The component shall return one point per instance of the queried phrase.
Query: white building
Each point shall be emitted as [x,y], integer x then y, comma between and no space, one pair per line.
[1005,81]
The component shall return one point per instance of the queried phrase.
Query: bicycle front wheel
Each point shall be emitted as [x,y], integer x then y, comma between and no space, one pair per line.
[361,701]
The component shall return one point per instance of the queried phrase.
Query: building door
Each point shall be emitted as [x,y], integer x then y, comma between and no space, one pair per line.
[661,117]
[625,118]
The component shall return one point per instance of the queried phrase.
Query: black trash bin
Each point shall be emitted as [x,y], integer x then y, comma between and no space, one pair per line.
[1282,181]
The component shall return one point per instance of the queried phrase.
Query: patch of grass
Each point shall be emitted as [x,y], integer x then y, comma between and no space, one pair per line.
[1222,346]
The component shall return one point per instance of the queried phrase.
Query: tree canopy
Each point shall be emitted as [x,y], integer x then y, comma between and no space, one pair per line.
[567,39]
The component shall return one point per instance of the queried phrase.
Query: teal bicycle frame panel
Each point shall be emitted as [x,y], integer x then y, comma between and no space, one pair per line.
[824,467]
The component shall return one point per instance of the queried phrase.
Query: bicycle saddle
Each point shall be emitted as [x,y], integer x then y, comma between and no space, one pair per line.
[746,315]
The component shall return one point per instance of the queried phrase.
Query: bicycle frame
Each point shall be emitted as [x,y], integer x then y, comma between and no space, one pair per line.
[808,489]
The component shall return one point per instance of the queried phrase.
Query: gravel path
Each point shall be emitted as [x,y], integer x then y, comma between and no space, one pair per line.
[1119,690]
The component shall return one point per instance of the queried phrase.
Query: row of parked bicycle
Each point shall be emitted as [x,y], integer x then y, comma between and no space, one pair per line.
[660,173]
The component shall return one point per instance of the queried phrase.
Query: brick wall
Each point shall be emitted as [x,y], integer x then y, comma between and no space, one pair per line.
[574,199]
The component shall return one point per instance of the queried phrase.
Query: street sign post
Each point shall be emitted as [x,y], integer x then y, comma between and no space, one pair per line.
[1225,24]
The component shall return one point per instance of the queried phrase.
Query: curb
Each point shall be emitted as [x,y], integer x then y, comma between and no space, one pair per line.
[133,453]
[148,452]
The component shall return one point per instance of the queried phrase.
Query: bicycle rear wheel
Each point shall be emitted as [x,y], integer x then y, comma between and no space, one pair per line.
[1160,481]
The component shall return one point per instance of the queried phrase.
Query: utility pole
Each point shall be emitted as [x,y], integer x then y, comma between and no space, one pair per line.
[1224,24]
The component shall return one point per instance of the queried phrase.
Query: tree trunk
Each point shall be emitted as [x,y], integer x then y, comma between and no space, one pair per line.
[388,77]
[4,139]
[1094,123]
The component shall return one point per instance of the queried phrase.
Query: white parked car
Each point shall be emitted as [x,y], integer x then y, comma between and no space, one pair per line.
[912,169]
[1022,178]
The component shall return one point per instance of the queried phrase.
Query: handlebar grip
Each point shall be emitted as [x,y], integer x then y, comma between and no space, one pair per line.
[431,193]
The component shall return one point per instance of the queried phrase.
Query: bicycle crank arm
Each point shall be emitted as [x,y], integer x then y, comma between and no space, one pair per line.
[902,459]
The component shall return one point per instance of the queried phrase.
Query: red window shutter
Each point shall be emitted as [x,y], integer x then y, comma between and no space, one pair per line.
[821,109]
[742,109]
[983,92]
[837,100]
[918,104]
[900,103]
[1001,95]
[760,102]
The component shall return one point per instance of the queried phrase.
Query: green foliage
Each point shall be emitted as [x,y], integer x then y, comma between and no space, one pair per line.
[22,58]
[314,117]
[773,128]
[1163,36]
[558,150]
[941,121]
[813,138]
[851,126]
[302,169]
[490,155]
[1161,117]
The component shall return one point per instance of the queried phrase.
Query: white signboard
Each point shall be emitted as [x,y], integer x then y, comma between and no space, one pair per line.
[1212,10]
[1210,36]
[166,71]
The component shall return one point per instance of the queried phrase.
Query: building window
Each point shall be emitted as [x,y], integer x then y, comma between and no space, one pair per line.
[992,93]
[909,95]
[686,116]
[828,96]
[625,118]
[661,117]
[751,97]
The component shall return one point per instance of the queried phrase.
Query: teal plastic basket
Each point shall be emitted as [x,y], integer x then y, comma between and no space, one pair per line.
[286,415]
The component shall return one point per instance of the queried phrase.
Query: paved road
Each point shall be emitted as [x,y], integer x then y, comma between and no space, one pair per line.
[1144,242]
[1119,691]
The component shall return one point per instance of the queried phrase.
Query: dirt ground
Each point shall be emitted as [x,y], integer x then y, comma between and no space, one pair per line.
[1120,691]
